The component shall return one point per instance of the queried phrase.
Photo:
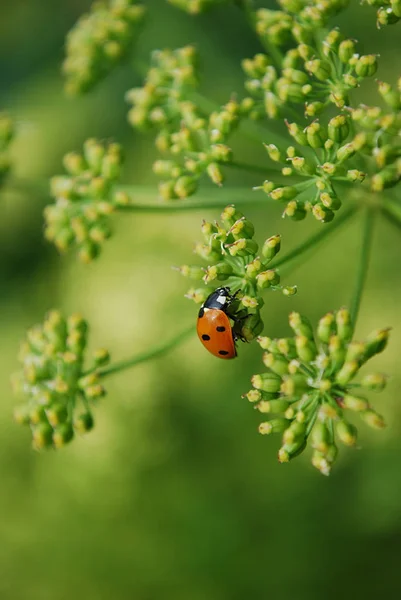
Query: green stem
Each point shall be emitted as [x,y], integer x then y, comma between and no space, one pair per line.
[145,356]
[363,265]
[225,196]
[392,212]
[314,239]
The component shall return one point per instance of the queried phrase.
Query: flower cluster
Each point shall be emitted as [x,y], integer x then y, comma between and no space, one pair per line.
[309,383]
[194,7]
[313,74]
[84,199]
[388,11]
[195,141]
[233,256]
[321,156]
[99,41]
[58,391]
[6,135]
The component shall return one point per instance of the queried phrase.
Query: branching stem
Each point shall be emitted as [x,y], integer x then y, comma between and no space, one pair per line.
[145,356]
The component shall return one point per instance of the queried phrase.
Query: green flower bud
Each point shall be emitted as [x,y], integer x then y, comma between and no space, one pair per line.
[242,228]
[276,363]
[391,96]
[21,415]
[243,247]
[336,349]
[345,152]
[268,382]
[297,133]
[386,16]
[332,42]
[230,215]
[320,437]
[355,403]
[312,109]
[294,385]
[272,406]
[62,435]
[387,178]
[289,451]
[273,152]
[347,372]
[251,327]
[185,186]
[316,135]
[376,342]
[306,348]
[220,271]
[355,175]
[295,210]
[215,173]
[374,381]
[267,279]
[301,325]
[346,51]
[373,419]
[273,426]
[56,414]
[321,69]
[303,165]
[195,273]
[338,128]
[344,325]
[42,436]
[284,193]
[289,290]
[306,52]
[295,432]
[396,7]
[346,433]
[366,66]
[330,201]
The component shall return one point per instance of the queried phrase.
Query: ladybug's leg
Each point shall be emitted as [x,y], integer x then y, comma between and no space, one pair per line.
[238,320]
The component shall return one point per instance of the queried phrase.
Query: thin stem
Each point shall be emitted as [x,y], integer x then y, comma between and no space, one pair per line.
[225,196]
[314,239]
[145,356]
[392,213]
[363,264]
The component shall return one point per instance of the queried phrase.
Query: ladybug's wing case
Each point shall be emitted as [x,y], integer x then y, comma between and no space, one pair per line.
[215,333]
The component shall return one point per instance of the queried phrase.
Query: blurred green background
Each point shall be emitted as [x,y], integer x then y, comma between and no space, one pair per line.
[175,495]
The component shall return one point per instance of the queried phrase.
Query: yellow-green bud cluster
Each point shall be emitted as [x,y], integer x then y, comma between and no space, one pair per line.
[307,387]
[99,41]
[58,391]
[6,135]
[195,7]
[84,199]
[235,258]
[193,143]
[388,11]
[318,157]
[312,73]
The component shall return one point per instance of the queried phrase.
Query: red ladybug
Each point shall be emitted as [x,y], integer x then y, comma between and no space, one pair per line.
[213,325]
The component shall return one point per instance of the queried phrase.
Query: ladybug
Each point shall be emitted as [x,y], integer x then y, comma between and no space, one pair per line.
[214,327]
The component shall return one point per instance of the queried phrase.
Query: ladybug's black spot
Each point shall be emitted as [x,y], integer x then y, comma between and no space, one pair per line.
[201,312]
[223,352]
[205,337]
[220,328]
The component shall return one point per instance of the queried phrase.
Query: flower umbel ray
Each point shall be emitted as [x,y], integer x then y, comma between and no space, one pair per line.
[309,388]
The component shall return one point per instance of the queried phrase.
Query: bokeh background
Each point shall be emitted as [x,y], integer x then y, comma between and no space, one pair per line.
[175,495]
